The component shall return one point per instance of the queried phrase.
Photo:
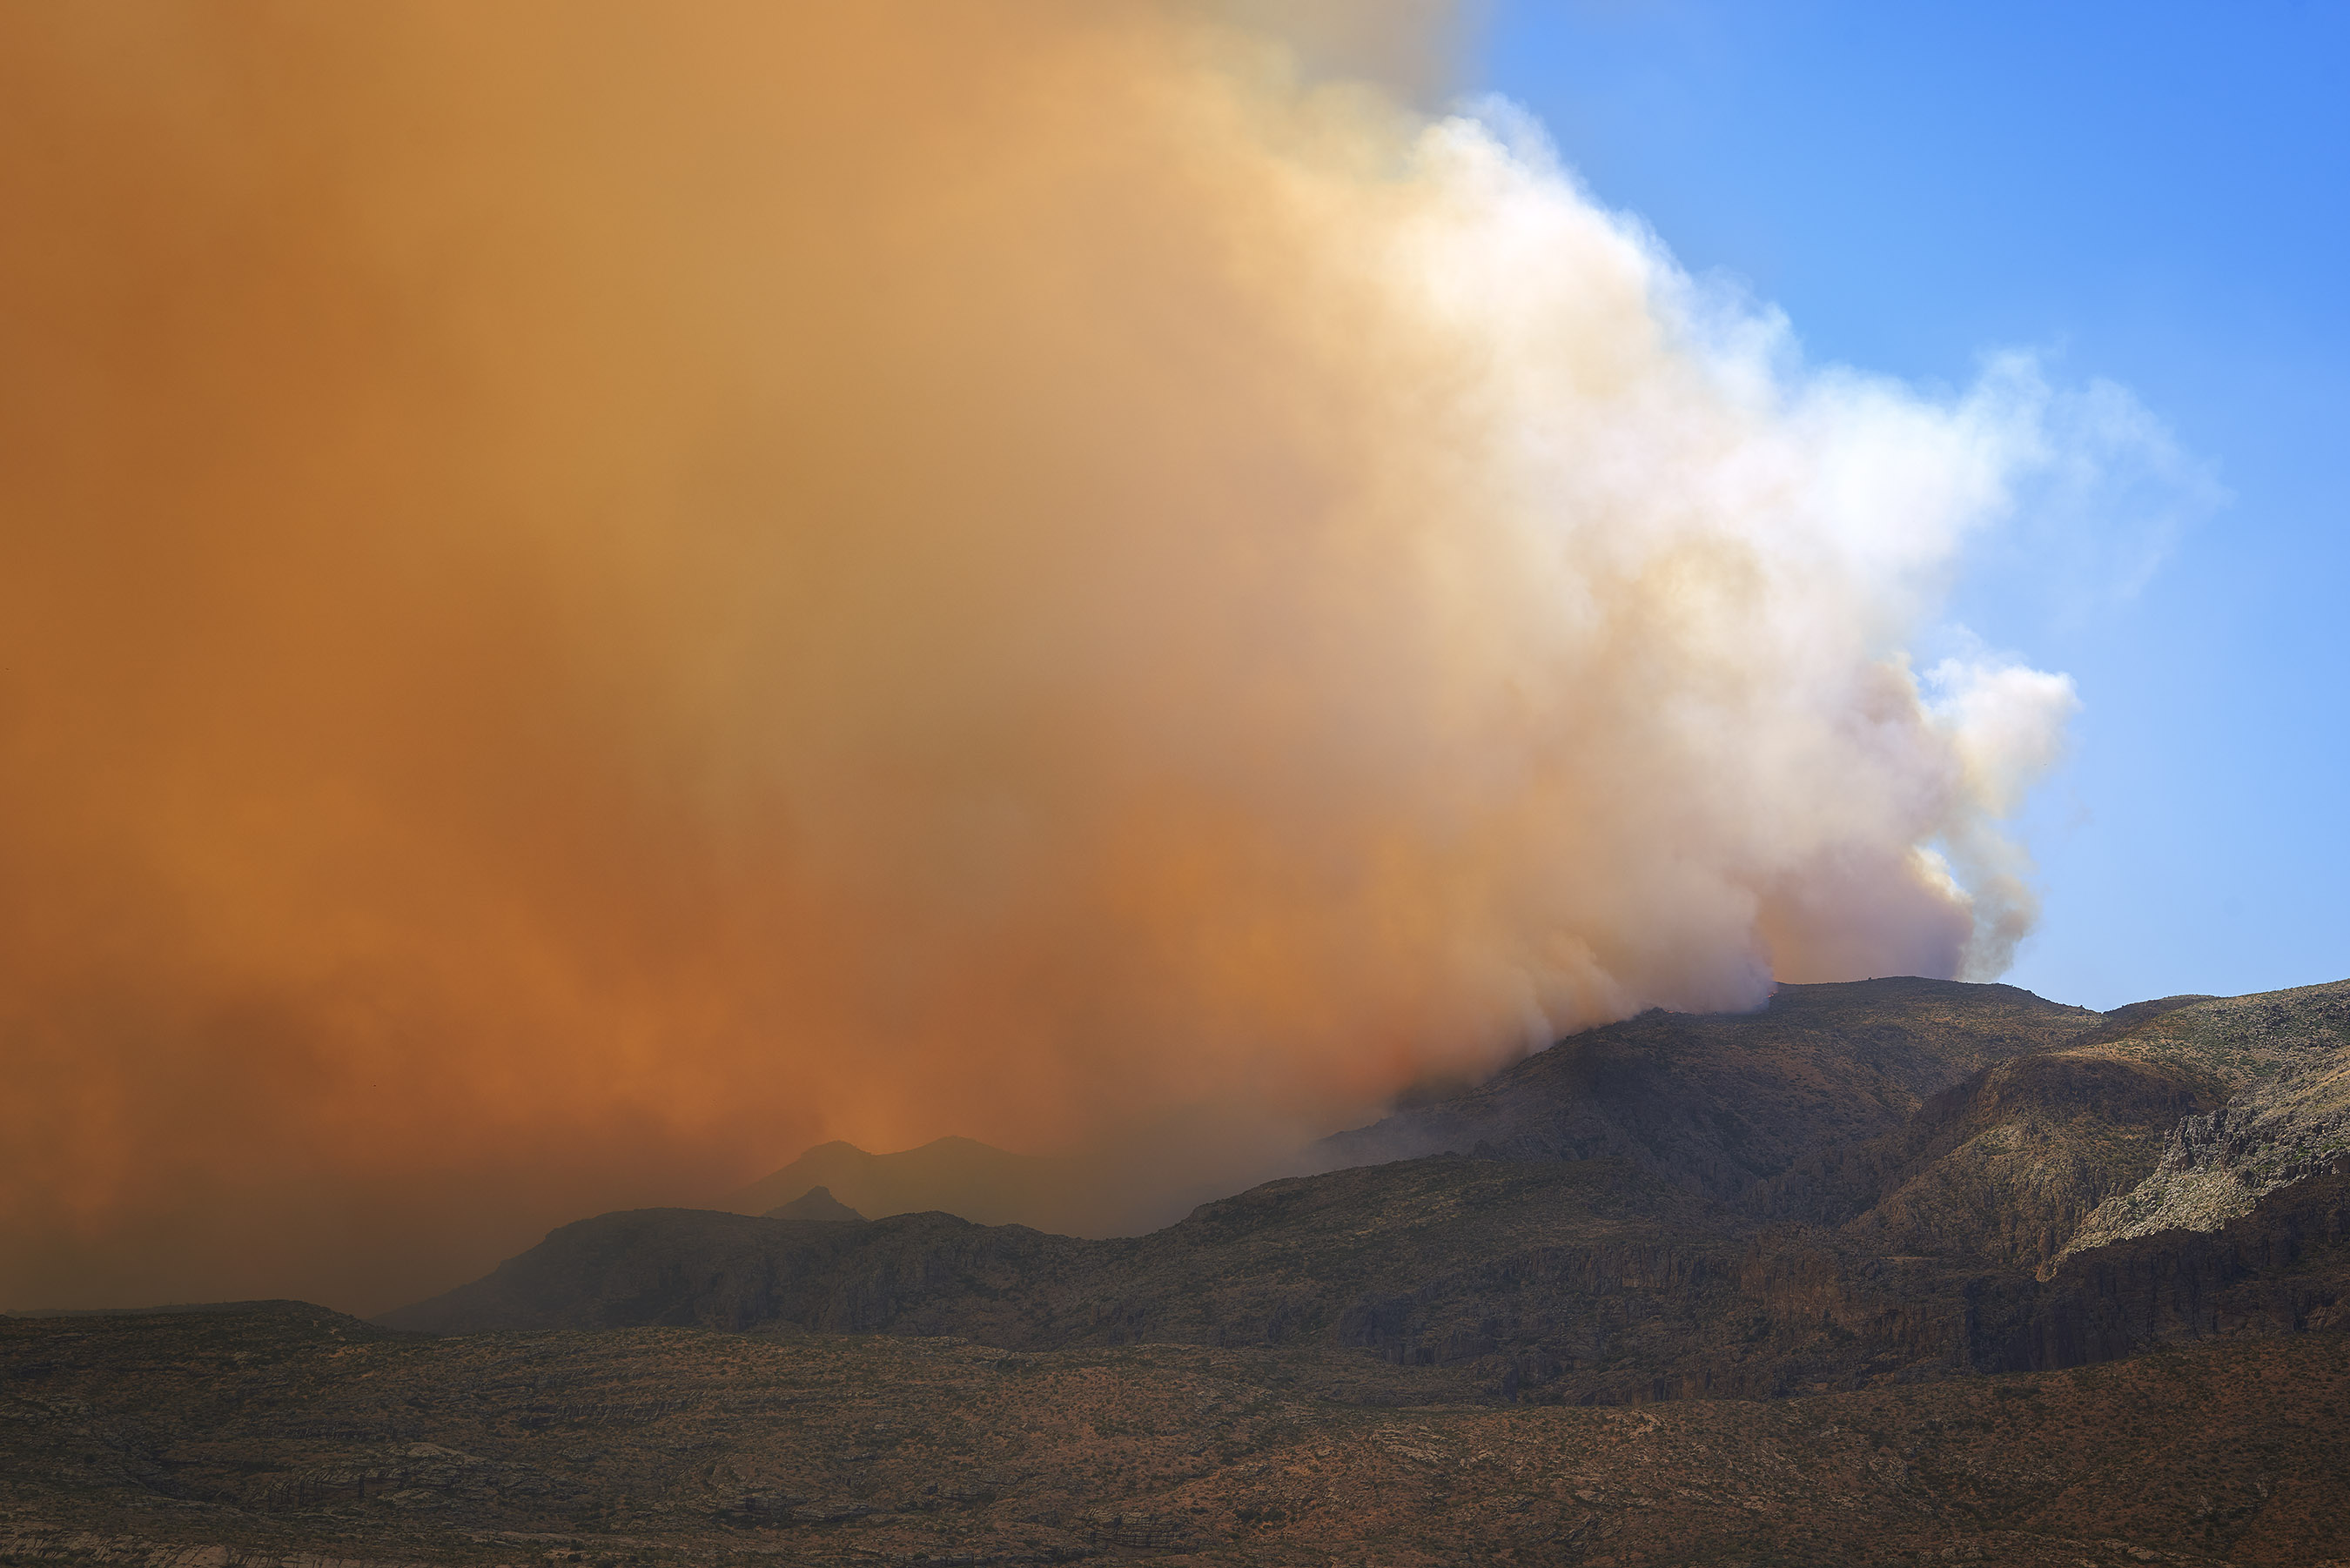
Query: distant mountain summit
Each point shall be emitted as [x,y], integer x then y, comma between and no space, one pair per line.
[957,1176]
[1150,1180]
[815,1203]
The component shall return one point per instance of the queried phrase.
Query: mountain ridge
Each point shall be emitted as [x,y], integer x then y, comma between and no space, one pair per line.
[1669,1344]
[1621,1239]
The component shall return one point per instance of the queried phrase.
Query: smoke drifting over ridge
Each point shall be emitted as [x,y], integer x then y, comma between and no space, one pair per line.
[590,597]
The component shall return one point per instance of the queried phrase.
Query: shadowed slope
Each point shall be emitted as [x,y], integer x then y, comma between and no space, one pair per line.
[2032,1158]
[1720,1101]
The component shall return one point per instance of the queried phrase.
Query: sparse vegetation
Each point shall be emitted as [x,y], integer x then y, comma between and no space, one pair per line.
[1641,1342]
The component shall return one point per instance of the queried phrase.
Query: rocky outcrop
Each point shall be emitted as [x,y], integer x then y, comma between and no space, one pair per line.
[2283,1267]
[2001,1170]
[2289,1125]
[2168,1115]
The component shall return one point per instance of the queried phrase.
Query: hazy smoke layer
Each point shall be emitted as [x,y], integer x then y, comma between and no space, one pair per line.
[593,594]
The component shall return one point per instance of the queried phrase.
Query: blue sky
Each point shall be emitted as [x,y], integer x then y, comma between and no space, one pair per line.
[2155,195]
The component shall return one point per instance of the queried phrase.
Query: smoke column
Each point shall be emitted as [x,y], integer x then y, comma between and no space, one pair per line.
[593,594]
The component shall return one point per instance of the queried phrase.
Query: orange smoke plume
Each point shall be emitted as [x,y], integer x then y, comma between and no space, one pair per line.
[593,594]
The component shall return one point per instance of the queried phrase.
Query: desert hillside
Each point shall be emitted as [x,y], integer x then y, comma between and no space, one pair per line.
[1882,1271]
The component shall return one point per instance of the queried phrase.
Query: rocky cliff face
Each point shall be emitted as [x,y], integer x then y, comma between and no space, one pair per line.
[2287,1119]
[700,1268]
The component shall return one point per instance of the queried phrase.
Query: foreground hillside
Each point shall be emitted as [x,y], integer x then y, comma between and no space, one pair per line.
[295,1436]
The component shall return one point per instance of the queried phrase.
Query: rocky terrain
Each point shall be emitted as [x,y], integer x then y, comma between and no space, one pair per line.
[1897,1270]
[291,1436]
[2286,1118]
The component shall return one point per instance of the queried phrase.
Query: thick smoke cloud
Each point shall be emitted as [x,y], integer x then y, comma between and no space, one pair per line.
[591,595]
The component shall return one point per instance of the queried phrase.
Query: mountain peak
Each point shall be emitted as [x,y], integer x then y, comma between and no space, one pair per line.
[816,1203]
